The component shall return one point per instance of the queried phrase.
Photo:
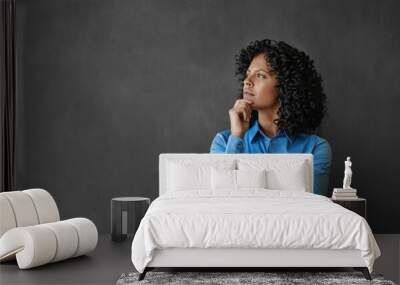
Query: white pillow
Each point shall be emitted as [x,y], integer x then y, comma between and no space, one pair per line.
[237,179]
[187,174]
[223,179]
[251,178]
[288,174]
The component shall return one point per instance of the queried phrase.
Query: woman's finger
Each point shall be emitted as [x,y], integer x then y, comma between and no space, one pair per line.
[245,112]
[243,107]
[248,101]
[244,115]
[248,112]
[245,104]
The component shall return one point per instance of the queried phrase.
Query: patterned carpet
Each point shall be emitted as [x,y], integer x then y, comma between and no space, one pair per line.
[275,278]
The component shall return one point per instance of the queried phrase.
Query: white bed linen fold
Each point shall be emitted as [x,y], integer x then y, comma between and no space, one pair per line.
[250,218]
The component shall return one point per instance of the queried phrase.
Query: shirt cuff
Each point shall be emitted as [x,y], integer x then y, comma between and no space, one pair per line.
[235,144]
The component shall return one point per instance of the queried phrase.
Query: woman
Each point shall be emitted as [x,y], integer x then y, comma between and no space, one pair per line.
[280,106]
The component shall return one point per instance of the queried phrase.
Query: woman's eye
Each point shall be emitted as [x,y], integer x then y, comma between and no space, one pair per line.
[259,75]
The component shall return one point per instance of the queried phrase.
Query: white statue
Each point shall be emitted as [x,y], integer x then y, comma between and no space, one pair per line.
[347,174]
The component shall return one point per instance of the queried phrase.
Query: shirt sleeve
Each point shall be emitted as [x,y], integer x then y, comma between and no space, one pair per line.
[322,166]
[232,144]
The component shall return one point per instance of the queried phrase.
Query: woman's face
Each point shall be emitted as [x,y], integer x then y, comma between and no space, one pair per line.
[259,85]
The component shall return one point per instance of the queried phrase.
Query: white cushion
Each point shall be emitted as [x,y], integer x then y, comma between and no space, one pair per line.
[223,179]
[237,179]
[32,246]
[7,219]
[40,244]
[251,178]
[88,235]
[45,205]
[193,174]
[67,239]
[288,175]
[23,208]
[26,208]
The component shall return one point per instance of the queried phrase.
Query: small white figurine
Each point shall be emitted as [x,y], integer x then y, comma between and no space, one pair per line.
[347,174]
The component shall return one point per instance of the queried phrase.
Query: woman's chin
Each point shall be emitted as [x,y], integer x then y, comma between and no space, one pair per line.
[254,106]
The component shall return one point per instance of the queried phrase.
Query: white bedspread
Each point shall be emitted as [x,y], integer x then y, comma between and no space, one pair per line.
[250,218]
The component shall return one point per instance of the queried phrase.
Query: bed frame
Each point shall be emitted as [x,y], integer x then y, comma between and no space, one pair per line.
[242,259]
[248,259]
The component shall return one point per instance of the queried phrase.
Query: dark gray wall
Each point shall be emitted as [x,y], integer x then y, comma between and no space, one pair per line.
[105,86]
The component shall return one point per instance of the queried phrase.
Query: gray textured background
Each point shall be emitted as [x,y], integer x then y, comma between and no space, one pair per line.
[105,86]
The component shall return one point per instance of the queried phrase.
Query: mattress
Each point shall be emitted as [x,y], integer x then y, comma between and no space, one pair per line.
[250,218]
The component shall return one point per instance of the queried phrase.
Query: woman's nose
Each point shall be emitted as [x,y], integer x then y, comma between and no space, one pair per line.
[248,83]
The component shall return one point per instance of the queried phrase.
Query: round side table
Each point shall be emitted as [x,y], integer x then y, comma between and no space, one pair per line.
[126,214]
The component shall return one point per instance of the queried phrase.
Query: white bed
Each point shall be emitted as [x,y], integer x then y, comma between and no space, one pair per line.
[248,227]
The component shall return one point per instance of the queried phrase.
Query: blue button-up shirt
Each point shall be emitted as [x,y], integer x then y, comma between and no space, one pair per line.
[255,141]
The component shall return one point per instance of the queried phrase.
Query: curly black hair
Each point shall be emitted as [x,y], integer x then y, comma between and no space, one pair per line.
[300,93]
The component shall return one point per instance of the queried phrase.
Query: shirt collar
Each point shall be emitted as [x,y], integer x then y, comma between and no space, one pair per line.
[255,129]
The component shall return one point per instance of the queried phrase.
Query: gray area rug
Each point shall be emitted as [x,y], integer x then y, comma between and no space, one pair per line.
[225,278]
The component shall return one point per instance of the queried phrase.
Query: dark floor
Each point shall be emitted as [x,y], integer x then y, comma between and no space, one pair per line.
[103,266]
[110,260]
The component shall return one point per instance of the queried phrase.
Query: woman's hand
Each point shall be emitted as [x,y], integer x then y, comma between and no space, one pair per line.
[240,115]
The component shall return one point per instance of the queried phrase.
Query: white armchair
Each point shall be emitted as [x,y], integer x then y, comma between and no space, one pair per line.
[31,230]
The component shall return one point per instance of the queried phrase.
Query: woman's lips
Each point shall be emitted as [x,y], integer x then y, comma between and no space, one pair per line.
[248,95]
